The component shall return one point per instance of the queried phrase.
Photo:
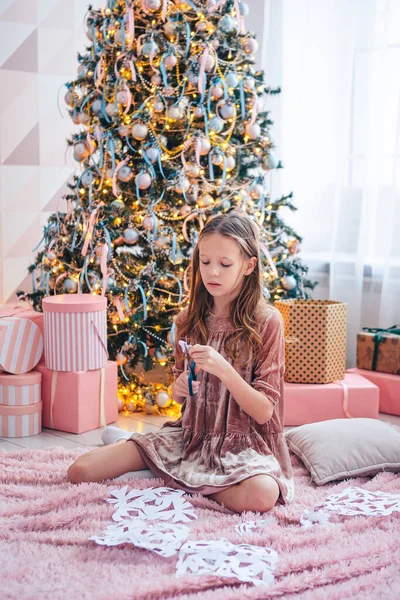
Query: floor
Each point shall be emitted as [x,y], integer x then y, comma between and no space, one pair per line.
[138,422]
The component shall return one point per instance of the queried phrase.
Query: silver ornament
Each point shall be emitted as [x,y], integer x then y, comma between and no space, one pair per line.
[130,236]
[216,124]
[152,153]
[288,282]
[96,106]
[231,80]
[70,286]
[112,110]
[163,399]
[149,47]
[125,174]
[227,24]
[227,110]
[244,9]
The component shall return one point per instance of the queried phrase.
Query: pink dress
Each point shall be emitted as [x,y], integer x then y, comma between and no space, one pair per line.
[215,444]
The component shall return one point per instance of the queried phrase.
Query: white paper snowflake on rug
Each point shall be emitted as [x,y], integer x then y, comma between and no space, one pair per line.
[162,538]
[251,564]
[242,528]
[159,504]
[353,501]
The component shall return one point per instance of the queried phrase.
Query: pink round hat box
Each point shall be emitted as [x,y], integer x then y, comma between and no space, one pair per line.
[75,332]
[21,345]
[20,404]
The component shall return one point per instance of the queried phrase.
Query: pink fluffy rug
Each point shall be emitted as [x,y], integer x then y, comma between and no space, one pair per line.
[45,552]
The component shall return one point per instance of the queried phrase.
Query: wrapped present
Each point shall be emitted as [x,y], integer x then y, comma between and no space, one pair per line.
[21,345]
[315,336]
[24,311]
[353,396]
[20,390]
[379,349]
[389,389]
[75,332]
[78,401]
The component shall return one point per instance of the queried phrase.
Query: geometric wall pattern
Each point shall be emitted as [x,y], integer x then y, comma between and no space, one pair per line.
[39,43]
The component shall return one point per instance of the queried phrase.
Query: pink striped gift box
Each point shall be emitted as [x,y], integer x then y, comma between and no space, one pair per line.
[20,421]
[23,310]
[20,390]
[75,328]
[21,345]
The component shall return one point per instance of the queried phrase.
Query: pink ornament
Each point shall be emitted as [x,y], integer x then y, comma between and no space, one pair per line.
[170,61]
[253,130]
[151,4]
[192,170]
[198,112]
[76,119]
[143,180]
[205,200]
[80,151]
[250,46]
[174,113]
[257,191]
[205,146]
[84,118]
[217,91]
[112,110]
[123,130]
[122,97]
[148,222]
[170,28]
[230,163]
[156,80]
[158,106]
[182,186]
[139,131]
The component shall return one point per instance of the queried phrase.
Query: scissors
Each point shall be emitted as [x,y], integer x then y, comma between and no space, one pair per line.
[191,364]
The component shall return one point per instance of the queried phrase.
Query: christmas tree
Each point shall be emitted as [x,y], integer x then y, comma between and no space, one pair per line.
[173,130]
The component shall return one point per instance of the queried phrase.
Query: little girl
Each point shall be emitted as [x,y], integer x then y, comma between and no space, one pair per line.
[229,443]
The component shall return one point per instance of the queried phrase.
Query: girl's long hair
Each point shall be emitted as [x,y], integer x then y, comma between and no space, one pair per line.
[243,308]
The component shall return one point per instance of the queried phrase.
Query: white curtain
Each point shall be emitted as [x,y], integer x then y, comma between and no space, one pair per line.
[337,134]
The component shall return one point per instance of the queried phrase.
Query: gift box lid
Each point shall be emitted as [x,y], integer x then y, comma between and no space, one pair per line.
[23,379]
[74,303]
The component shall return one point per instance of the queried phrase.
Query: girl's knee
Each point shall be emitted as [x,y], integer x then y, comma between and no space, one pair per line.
[259,494]
[78,472]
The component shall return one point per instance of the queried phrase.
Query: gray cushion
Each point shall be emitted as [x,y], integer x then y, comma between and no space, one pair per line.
[342,448]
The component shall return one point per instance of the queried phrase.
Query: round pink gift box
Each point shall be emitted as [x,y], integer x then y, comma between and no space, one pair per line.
[20,421]
[20,390]
[75,332]
[21,345]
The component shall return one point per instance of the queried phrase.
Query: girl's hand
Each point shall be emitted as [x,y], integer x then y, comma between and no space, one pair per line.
[181,385]
[208,359]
